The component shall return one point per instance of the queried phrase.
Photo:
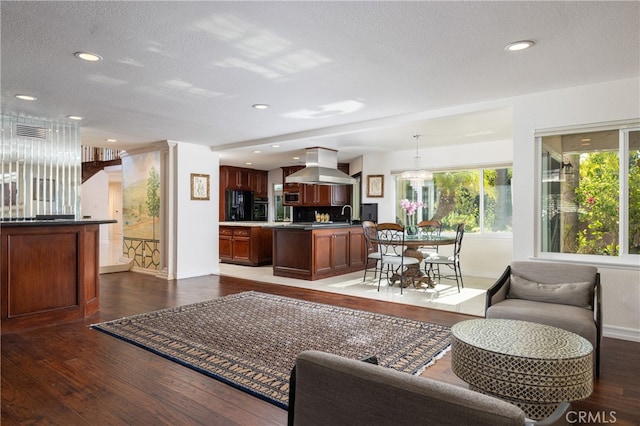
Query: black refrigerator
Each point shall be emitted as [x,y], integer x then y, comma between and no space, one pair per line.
[238,205]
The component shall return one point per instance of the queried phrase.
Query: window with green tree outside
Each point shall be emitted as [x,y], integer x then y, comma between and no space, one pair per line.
[590,193]
[479,198]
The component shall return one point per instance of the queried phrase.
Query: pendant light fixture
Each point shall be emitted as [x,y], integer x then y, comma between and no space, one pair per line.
[418,174]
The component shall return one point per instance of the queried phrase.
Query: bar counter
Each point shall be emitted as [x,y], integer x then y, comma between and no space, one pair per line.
[49,271]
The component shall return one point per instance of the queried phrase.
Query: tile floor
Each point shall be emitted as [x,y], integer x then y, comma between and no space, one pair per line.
[470,300]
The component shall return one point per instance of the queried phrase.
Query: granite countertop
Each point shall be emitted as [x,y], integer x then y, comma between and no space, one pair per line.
[254,224]
[317,225]
[291,225]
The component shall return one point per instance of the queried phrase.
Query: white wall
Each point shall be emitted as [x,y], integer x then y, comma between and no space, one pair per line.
[94,201]
[196,221]
[610,101]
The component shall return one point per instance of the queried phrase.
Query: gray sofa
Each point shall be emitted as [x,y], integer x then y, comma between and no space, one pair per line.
[327,389]
[562,295]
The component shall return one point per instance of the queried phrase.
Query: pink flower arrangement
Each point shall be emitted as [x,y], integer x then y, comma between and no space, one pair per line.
[410,207]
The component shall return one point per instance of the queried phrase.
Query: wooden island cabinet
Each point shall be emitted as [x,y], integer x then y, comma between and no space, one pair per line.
[50,272]
[312,252]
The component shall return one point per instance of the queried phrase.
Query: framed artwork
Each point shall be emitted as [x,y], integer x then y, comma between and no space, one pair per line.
[375,186]
[199,187]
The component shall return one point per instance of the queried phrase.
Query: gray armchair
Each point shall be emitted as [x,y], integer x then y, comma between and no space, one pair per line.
[327,389]
[557,294]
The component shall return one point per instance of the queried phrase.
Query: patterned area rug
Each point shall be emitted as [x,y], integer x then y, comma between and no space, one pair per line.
[250,340]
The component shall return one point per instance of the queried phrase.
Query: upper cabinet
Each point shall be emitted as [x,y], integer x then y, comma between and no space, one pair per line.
[242,179]
[234,178]
[341,194]
[286,171]
[259,180]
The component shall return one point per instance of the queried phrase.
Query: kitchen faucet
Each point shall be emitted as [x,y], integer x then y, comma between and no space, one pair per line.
[350,211]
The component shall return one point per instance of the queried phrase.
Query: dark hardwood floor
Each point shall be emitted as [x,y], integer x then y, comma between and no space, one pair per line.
[72,375]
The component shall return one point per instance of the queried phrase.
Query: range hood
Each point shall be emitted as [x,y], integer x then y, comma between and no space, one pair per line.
[321,169]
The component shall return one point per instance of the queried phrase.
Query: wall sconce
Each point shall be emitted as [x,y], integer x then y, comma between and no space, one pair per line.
[567,168]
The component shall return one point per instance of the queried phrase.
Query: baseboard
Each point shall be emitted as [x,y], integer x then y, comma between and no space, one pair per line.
[621,333]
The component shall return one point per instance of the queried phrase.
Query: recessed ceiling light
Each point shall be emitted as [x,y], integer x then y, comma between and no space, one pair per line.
[260,106]
[26,97]
[519,45]
[275,146]
[248,163]
[75,117]
[296,158]
[111,140]
[87,56]
[257,151]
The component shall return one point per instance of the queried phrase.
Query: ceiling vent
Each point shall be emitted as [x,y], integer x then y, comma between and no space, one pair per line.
[32,132]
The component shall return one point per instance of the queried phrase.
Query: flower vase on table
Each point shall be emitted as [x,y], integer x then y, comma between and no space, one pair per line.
[410,207]
[412,229]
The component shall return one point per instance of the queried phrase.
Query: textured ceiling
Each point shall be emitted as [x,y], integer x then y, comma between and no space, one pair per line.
[356,76]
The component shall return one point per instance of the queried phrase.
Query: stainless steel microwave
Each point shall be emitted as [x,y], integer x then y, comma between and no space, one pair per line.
[291,197]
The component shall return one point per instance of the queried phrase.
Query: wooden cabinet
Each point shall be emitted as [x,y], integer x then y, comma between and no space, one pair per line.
[292,193]
[340,195]
[50,272]
[311,254]
[235,178]
[331,252]
[245,245]
[226,243]
[259,182]
[316,195]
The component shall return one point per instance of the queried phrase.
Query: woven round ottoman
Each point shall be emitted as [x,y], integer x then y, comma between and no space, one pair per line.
[533,366]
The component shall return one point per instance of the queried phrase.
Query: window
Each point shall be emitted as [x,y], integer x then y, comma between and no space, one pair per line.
[480,198]
[283,213]
[590,193]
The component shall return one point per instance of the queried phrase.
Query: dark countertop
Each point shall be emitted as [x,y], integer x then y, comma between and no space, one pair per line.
[52,222]
[310,226]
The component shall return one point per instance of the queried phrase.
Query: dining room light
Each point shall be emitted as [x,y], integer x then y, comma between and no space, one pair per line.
[519,45]
[260,106]
[75,117]
[417,175]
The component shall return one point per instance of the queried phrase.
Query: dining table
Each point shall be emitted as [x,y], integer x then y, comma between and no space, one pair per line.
[413,275]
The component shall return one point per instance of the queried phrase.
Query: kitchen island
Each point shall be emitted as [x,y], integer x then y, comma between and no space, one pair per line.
[49,271]
[311,251]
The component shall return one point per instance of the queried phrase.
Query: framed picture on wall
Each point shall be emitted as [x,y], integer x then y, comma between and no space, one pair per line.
[375,186]
[199,186]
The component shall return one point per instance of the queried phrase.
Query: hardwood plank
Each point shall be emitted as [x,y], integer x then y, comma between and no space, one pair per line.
[72,375]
